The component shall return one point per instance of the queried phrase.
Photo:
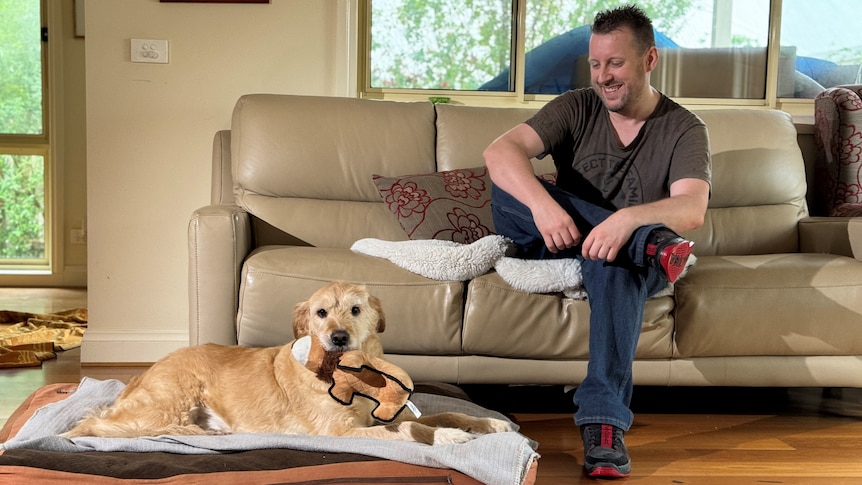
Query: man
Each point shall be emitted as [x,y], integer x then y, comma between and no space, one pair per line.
[633,170]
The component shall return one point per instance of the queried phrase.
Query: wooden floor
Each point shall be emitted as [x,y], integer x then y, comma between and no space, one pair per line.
[680,435]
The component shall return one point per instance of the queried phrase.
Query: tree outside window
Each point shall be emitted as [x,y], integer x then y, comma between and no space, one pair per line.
[467,45]
[22,141]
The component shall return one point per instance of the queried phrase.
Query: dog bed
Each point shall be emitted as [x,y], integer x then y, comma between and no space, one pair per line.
[31,452]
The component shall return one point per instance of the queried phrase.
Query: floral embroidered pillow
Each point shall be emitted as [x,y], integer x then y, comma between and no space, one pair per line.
[453,205]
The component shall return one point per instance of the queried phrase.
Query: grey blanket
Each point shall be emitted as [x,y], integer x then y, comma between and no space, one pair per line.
[500,458]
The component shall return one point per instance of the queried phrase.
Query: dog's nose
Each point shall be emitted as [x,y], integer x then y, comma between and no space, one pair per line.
[339,338]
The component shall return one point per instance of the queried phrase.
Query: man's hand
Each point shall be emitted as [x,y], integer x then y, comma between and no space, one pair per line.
[607,239]
[556,226]
[682,211]
[508,161]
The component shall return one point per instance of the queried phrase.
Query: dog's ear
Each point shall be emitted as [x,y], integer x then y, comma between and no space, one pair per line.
[300,320]
[378,307]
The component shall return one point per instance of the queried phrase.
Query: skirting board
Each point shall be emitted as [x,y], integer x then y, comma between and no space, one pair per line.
[130,347]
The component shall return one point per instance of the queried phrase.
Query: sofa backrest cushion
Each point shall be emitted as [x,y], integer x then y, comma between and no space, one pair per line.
[463,133]
[758,184]
[303,163]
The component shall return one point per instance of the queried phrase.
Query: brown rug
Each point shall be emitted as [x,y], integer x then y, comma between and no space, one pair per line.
[27,339]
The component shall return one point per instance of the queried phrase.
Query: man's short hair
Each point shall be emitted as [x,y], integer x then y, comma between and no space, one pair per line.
[629,16]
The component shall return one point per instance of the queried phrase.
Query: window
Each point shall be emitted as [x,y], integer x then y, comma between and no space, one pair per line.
[439,44]
[24,208]
[707,49]
[828,51]
[710,50]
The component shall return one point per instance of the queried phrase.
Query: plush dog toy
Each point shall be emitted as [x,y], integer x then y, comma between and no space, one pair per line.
[356,373]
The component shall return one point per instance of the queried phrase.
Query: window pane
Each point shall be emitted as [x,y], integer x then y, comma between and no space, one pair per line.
[22,207]
[707,48]
[439,44]
[828,50]
[20,67]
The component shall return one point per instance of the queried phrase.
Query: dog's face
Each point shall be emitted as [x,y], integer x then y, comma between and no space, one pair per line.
[342,316]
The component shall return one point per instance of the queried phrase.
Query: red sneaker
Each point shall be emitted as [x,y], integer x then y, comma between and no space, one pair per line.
[668,253]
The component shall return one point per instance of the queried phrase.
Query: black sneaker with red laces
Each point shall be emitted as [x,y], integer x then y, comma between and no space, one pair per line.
[605,453]
[667,252]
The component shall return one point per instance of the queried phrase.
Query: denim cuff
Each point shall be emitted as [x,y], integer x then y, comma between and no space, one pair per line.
[637,248]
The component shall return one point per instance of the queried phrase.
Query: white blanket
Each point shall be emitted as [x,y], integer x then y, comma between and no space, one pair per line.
[447,261]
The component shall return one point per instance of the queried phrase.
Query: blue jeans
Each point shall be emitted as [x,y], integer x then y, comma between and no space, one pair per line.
[617,294]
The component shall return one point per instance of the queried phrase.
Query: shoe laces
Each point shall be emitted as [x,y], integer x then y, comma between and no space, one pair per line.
[603,435]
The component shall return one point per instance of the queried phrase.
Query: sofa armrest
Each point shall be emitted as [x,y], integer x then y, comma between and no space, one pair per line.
[854,231]
[219,241]
[825,235]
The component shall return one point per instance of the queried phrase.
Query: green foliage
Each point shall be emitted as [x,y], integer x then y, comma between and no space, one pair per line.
[846,55]
[22,207]
[462,44]
[20,67]
[549,18]
[22,177]
[743,41]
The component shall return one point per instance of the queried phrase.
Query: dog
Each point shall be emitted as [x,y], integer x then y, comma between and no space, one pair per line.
[215,389]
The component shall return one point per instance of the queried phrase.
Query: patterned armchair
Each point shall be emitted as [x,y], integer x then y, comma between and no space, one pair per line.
[838,136]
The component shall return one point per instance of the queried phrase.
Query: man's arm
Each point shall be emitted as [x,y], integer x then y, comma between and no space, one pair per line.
[682,211]
[508,162]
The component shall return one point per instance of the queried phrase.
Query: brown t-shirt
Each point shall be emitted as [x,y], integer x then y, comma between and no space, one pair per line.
[576,129]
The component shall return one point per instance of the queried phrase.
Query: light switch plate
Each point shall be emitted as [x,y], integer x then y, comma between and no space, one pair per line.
[148,50]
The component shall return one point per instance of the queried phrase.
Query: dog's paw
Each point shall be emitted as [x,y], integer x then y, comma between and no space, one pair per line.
[487,425]
[447,436]
[493,425]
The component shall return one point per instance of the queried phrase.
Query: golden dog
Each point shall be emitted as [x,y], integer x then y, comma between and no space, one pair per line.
[215,389]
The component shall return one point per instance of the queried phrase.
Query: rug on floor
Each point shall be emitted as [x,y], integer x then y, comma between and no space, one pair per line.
[28,339]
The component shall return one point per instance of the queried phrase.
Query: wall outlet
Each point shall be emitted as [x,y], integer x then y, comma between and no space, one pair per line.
[79,236]
[147,50]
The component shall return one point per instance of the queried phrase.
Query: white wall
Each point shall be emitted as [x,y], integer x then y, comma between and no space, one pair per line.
[149,136]
[71,132]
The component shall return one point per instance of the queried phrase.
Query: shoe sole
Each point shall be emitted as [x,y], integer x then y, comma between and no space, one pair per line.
[607,470]
[674,258]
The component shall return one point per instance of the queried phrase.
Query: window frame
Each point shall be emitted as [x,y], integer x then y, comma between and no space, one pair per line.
[34,271]
[518,98]
[35,266]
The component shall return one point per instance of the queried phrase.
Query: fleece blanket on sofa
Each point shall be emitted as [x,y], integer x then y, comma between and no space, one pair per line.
[447,260]
[504,458]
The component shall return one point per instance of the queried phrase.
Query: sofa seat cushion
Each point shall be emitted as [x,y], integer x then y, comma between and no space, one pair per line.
[504,322]
[775,304]
[423,316]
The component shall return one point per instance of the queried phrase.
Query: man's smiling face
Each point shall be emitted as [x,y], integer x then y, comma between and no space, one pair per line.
[618,69]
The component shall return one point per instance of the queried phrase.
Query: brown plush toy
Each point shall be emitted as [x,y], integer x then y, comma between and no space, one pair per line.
[356,373]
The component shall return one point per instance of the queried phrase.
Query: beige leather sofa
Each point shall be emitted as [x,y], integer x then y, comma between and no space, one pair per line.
[775,298]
